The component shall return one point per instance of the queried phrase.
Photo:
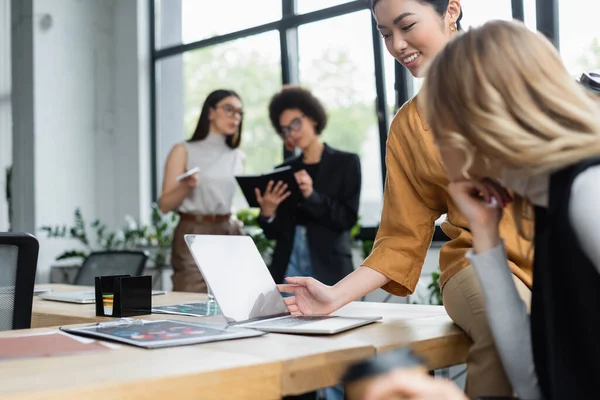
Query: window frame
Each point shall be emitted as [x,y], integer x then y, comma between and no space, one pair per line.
[547,23]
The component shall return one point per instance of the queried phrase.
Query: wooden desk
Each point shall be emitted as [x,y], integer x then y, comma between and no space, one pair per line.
[198,372]
[428,330]
[47,313]
[304,363]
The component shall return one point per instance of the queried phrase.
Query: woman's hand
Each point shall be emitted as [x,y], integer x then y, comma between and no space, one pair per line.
[305,183]
[311,297]
[190,181]
[411,385]
[175,191]
[274,195]
[481,203]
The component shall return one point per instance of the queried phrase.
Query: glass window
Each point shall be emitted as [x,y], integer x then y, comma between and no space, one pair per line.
[475,13]
[186,21]
[339,69]
[306,6]
[389,64]
[250,66]
[579,35]
[530,17]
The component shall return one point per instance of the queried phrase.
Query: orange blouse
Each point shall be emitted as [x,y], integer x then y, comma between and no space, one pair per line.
[415,197]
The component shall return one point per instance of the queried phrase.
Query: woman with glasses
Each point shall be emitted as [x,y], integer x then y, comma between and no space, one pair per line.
[204,199]
[313,237]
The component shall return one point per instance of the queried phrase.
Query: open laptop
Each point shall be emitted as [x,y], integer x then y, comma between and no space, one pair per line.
[246,293]
[80,296]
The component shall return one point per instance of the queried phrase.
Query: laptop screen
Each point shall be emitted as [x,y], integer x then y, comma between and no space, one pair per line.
[237,276]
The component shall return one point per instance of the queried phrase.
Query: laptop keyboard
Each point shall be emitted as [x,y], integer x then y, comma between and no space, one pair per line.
[292,321]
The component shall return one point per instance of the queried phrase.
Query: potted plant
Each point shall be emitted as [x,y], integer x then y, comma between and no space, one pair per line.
[249,217]
[155,238]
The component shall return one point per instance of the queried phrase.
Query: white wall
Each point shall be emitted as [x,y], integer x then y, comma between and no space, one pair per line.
[5,108]
[123,141]
[170,91]
[68,72]
[88,133]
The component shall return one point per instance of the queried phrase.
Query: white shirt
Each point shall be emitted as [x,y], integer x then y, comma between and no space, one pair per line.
[218,164]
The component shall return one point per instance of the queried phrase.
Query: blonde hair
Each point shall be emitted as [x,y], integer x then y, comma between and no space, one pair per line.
[501,92]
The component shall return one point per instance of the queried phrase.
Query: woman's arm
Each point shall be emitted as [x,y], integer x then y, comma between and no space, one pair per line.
[506,313]
[407,222]
[508,319]
[584,213]
[313,297]
[174,192]
[359,283]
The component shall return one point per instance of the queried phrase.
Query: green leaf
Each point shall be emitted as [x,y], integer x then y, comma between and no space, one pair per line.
[54,232]
[355,231]
[249,216]
[71,254]
[367,248]
[435,293]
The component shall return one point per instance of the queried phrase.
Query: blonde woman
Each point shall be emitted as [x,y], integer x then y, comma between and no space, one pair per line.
[506,113]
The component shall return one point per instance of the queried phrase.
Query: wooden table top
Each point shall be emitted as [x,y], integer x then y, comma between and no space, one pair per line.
[133,373]
[269,366]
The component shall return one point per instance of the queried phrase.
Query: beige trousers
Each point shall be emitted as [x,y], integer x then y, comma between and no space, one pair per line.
[465,304]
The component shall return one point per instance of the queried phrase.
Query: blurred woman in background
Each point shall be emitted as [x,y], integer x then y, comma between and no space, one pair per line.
[313,237]
[204,199]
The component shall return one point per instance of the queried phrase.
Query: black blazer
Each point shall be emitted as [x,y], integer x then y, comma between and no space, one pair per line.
[332,210]
[565,298]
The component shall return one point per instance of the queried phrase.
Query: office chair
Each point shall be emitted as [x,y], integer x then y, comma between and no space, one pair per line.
[18,263]
[104,263]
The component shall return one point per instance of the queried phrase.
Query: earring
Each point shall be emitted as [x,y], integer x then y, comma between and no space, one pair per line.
[453,27]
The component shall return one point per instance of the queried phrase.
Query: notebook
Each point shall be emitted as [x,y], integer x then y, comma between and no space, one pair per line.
[201,309]
[80,297]
[251,299]
[37,290]
[285,174]
[156,334]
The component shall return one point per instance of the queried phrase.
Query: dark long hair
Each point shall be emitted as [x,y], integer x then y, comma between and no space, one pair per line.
[203,125]
[440,6]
